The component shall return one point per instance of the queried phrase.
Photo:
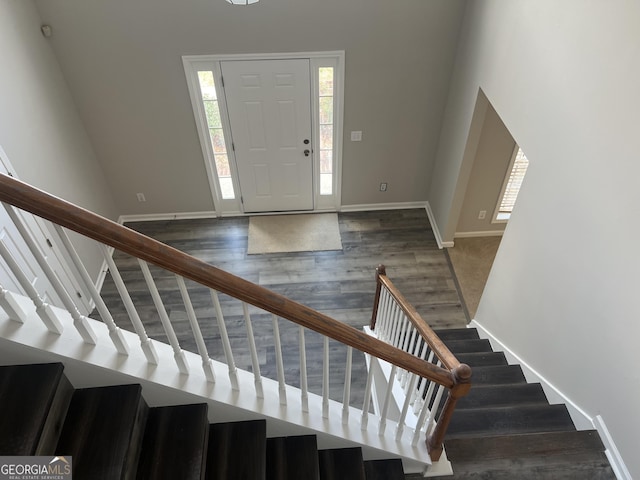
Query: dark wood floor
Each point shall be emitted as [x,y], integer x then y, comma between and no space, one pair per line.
[338,283]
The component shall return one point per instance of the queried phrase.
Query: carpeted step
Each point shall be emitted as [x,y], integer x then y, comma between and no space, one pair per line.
[523,445]
[175,443]
[447,334]
[481,396]
[482,359]
[497,375]
[33,400]
[509,420]
[292,458]
[591,466]
[468,346]
[103,432]
[341,464]
[384,469]
[237,450]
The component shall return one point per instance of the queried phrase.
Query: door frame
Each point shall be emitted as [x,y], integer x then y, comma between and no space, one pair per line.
[225,207]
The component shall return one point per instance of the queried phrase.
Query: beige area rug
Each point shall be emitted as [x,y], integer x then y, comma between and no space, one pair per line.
[294,233]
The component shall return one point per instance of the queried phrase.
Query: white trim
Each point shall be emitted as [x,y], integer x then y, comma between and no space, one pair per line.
[436,230]
[486,233]
[372,207]
[580,418]
[152,217]
[612,452]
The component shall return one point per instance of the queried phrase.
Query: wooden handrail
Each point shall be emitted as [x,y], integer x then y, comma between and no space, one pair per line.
[110,233]
[448,359]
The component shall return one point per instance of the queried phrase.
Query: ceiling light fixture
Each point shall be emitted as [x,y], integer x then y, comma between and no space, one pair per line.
[242,2]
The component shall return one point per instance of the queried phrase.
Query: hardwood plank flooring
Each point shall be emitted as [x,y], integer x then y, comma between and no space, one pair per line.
[338,283]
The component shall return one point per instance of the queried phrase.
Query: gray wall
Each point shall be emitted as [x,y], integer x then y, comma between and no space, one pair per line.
[562,293]
[40,129]
[123,64]
[490,165]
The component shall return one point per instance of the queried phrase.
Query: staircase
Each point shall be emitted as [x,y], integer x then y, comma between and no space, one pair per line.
[111,433]
[506,429]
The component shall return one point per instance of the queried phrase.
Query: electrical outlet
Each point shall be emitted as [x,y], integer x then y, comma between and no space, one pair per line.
[383,187]
[141,197]
[482,214]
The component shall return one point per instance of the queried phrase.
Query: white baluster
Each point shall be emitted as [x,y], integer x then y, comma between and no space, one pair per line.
[303,371]
[226,344]
[257,378]
[410,348]
[178,354]
[43,309]
[404,325]
[207,364]
[367,395]
[434,409]
[145,342]
[114,331]
[79,321]
[325,379]
[11,307]
[420,423]
[405,407]
[387,400]
[418,393]
[382,319]
[346,398]
[279,364]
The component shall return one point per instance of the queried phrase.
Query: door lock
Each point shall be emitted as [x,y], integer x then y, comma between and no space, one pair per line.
[306,141]
[307,152]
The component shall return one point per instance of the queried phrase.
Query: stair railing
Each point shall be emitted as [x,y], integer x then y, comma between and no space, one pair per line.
[424,373]
[396,321]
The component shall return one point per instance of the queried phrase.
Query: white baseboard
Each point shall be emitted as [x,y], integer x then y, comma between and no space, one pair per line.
[150,217]
[436,230]
[486,233]
[580,418]
[371,207]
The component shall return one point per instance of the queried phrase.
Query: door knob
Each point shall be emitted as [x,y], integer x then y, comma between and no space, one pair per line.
[307,152]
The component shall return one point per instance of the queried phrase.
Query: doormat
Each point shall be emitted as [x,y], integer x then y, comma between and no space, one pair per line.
[294,233]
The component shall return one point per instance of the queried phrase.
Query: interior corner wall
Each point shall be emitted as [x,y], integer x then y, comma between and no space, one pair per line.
[40,129]
[562,294]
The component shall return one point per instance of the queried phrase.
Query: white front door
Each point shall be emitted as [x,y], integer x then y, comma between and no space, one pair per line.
[269,106]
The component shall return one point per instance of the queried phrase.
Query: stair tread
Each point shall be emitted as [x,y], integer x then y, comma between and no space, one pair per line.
[482,359]
[468,346]
[175,443]
[237,450]
[509,420]
[341,464]
[593,466]
[292,458]
[27,393]
[497,375]
[457,333]
[523,445]
[503,395]
[384,469]
[101,431]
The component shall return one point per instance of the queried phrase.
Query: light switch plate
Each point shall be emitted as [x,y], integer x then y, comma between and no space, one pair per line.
[356,136]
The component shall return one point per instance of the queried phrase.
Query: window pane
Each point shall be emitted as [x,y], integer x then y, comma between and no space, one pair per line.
[326,137]
[326,187]
[226,188]
[213,113]
[326,110]
[326,161]
[325,83]
[217,141]
[222,166]
[514,183]
[207,86]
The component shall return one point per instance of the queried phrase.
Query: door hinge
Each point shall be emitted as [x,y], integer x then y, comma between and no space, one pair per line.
[49,243]
[222,80]
[241,200]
